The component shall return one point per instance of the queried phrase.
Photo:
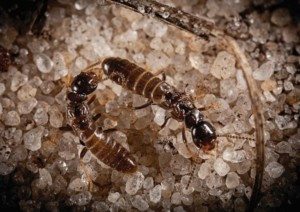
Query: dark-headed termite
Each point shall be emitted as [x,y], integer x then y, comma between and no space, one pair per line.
[180,105]
[83,124]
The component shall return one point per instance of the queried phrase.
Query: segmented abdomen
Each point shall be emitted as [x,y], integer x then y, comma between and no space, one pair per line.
[136,79]
[111,153]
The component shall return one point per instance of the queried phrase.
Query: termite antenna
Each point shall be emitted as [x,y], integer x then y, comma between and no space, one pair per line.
[191,177]
[237,137]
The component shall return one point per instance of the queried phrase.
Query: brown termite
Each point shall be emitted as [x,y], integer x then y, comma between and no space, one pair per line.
[84,125]
[180,105]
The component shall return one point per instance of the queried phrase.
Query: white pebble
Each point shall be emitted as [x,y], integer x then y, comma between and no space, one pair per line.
[43,63]
[32,138]
[78,184]
[221,167]
[148,183]
[82,198]
[204,171]
[139,203]
[155,194]
[18,80]
[56,117]
[113,197]
[134,183]
[274,169]
[265,71]
[223,66]
[232,180]
[12,118]
[27,106]
[2,88]
[234,156]
[40,116]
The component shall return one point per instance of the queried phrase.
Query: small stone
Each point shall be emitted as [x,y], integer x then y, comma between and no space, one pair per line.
[18,80]
[159,117]
[12,118]
[26,92]
[234,156]
[179,209]
[213,181]
[155,194]
[180,165]
[43,63]
[27,106]
[56,117]
[228,90]
[139,203]
[243,167]
[223,66]
[113,197]
[288,85]
[45,177]
[40,116]
[176,198]
[32,138]
[232,180]
[268,85]
[204,171]
[281,17]
[134,183]
[197,62]
[81,199]
[265,71]
[274,169]
[283,147]
[78,184]
[148,183]
[47,87]
[19,154]
[100,206]
[154,28]
[221,167]
[59,66]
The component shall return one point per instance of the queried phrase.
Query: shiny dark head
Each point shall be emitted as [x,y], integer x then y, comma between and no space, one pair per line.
[85,83]
[204,135]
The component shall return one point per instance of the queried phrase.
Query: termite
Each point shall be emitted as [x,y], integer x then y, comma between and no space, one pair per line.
[159,92]
[84,125]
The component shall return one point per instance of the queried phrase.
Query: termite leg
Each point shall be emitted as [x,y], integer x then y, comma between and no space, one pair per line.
[167,118]
[81,142]
[91,100]
[110,130]
[83,152]
[96,117]
[66,128]
[143,105]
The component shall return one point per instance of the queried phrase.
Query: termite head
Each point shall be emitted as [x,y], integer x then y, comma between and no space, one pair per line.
[203,133]
[82,85]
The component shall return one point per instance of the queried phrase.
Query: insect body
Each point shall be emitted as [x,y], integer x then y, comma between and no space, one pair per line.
[144,83]
[108,151]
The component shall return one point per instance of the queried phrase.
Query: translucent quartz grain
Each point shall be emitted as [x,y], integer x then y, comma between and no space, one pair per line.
[232,180]
[223,66]
[221,167]
[139,203]
[134,183]
[43,63]
[32,138]
[12,118]
[274,169]
[155,194]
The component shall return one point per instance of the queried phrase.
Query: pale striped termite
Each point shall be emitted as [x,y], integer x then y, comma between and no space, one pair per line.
[93,137]
[180,105]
